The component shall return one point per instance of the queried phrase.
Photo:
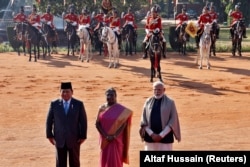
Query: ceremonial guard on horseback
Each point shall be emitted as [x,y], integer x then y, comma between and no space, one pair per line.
[204,18]
[114,24]
[20,17]
[153,23]
[84,21]
[48,19]
[237,16]
[214,17]
[72,18]
[71,29]
[100,19]
[183,19]
[130,20]
[35,20]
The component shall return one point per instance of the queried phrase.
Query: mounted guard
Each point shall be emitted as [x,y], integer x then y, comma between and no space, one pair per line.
[153,22]
[130,20]
[204,18]
[84,21]
[35,20]
[214,17]
[114,24]
[236,15]
[183,18]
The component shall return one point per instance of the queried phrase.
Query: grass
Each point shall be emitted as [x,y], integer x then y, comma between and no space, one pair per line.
[222,45]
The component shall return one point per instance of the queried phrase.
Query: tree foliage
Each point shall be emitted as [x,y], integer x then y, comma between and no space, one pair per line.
[58,6]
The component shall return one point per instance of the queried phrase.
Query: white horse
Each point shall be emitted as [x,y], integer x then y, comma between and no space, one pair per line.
[85,44]
[108,36]
[204,45]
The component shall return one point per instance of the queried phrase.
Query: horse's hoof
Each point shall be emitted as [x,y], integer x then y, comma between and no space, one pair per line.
[151,80]
[200,67]
[87,60]
[208,67]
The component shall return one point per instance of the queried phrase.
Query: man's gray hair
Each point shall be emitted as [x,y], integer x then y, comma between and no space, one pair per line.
[156,83]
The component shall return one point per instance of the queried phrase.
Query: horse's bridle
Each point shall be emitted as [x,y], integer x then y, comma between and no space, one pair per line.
[105,37]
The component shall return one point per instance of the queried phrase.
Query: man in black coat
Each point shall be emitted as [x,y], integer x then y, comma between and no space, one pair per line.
[66,127]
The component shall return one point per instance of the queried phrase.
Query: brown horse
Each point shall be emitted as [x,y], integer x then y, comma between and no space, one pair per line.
[155,52]
[52,37]
[20,37]
[237,37]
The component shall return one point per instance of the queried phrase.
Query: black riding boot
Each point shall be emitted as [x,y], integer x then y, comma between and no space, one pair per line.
[119,37]
[217,33]
[244,32]
[231,32]
[197,40]
[177,34]
[119,41]
[144,44]
[164,49]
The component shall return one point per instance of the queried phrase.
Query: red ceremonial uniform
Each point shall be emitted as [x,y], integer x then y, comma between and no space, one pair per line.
[236,15]
[213,15]
[20,17]
[182,18]
[71,18]
[84,20]
[204,18]
[114,22]
[48,18]
[129,19]
[34,18]
[153,23]
[99,17]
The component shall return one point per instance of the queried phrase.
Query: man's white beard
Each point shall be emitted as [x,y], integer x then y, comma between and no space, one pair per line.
[158,97]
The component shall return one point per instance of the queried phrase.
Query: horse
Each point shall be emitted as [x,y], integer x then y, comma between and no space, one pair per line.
[237,37]
[20,37]
[96,42]
[85,43]
[213,38]
[72,37]
[108,36]
[182,39]
[33,38]
[204,45]
[130,37]
[155,53]
[51,36]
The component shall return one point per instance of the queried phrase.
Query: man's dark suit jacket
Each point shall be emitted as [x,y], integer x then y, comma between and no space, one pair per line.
[66,129]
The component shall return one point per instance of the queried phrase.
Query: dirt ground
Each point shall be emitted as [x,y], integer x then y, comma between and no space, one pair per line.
[213,105]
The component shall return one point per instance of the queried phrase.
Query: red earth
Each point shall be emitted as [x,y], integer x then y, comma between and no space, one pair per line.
[213,105]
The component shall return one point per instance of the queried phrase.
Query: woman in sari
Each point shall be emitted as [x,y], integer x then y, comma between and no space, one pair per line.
[113,124]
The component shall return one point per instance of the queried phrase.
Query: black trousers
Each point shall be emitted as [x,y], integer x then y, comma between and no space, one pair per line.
[62,154]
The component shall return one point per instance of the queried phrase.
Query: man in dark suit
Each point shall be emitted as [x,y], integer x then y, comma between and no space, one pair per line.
[66,127]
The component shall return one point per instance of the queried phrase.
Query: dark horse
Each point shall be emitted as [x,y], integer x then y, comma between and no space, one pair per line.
[213,39]
[96,42]
[51,36]
[155,52]
[237,37]
[130,37]
[72,37]
[182,39]
[33,38]
[20,37]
